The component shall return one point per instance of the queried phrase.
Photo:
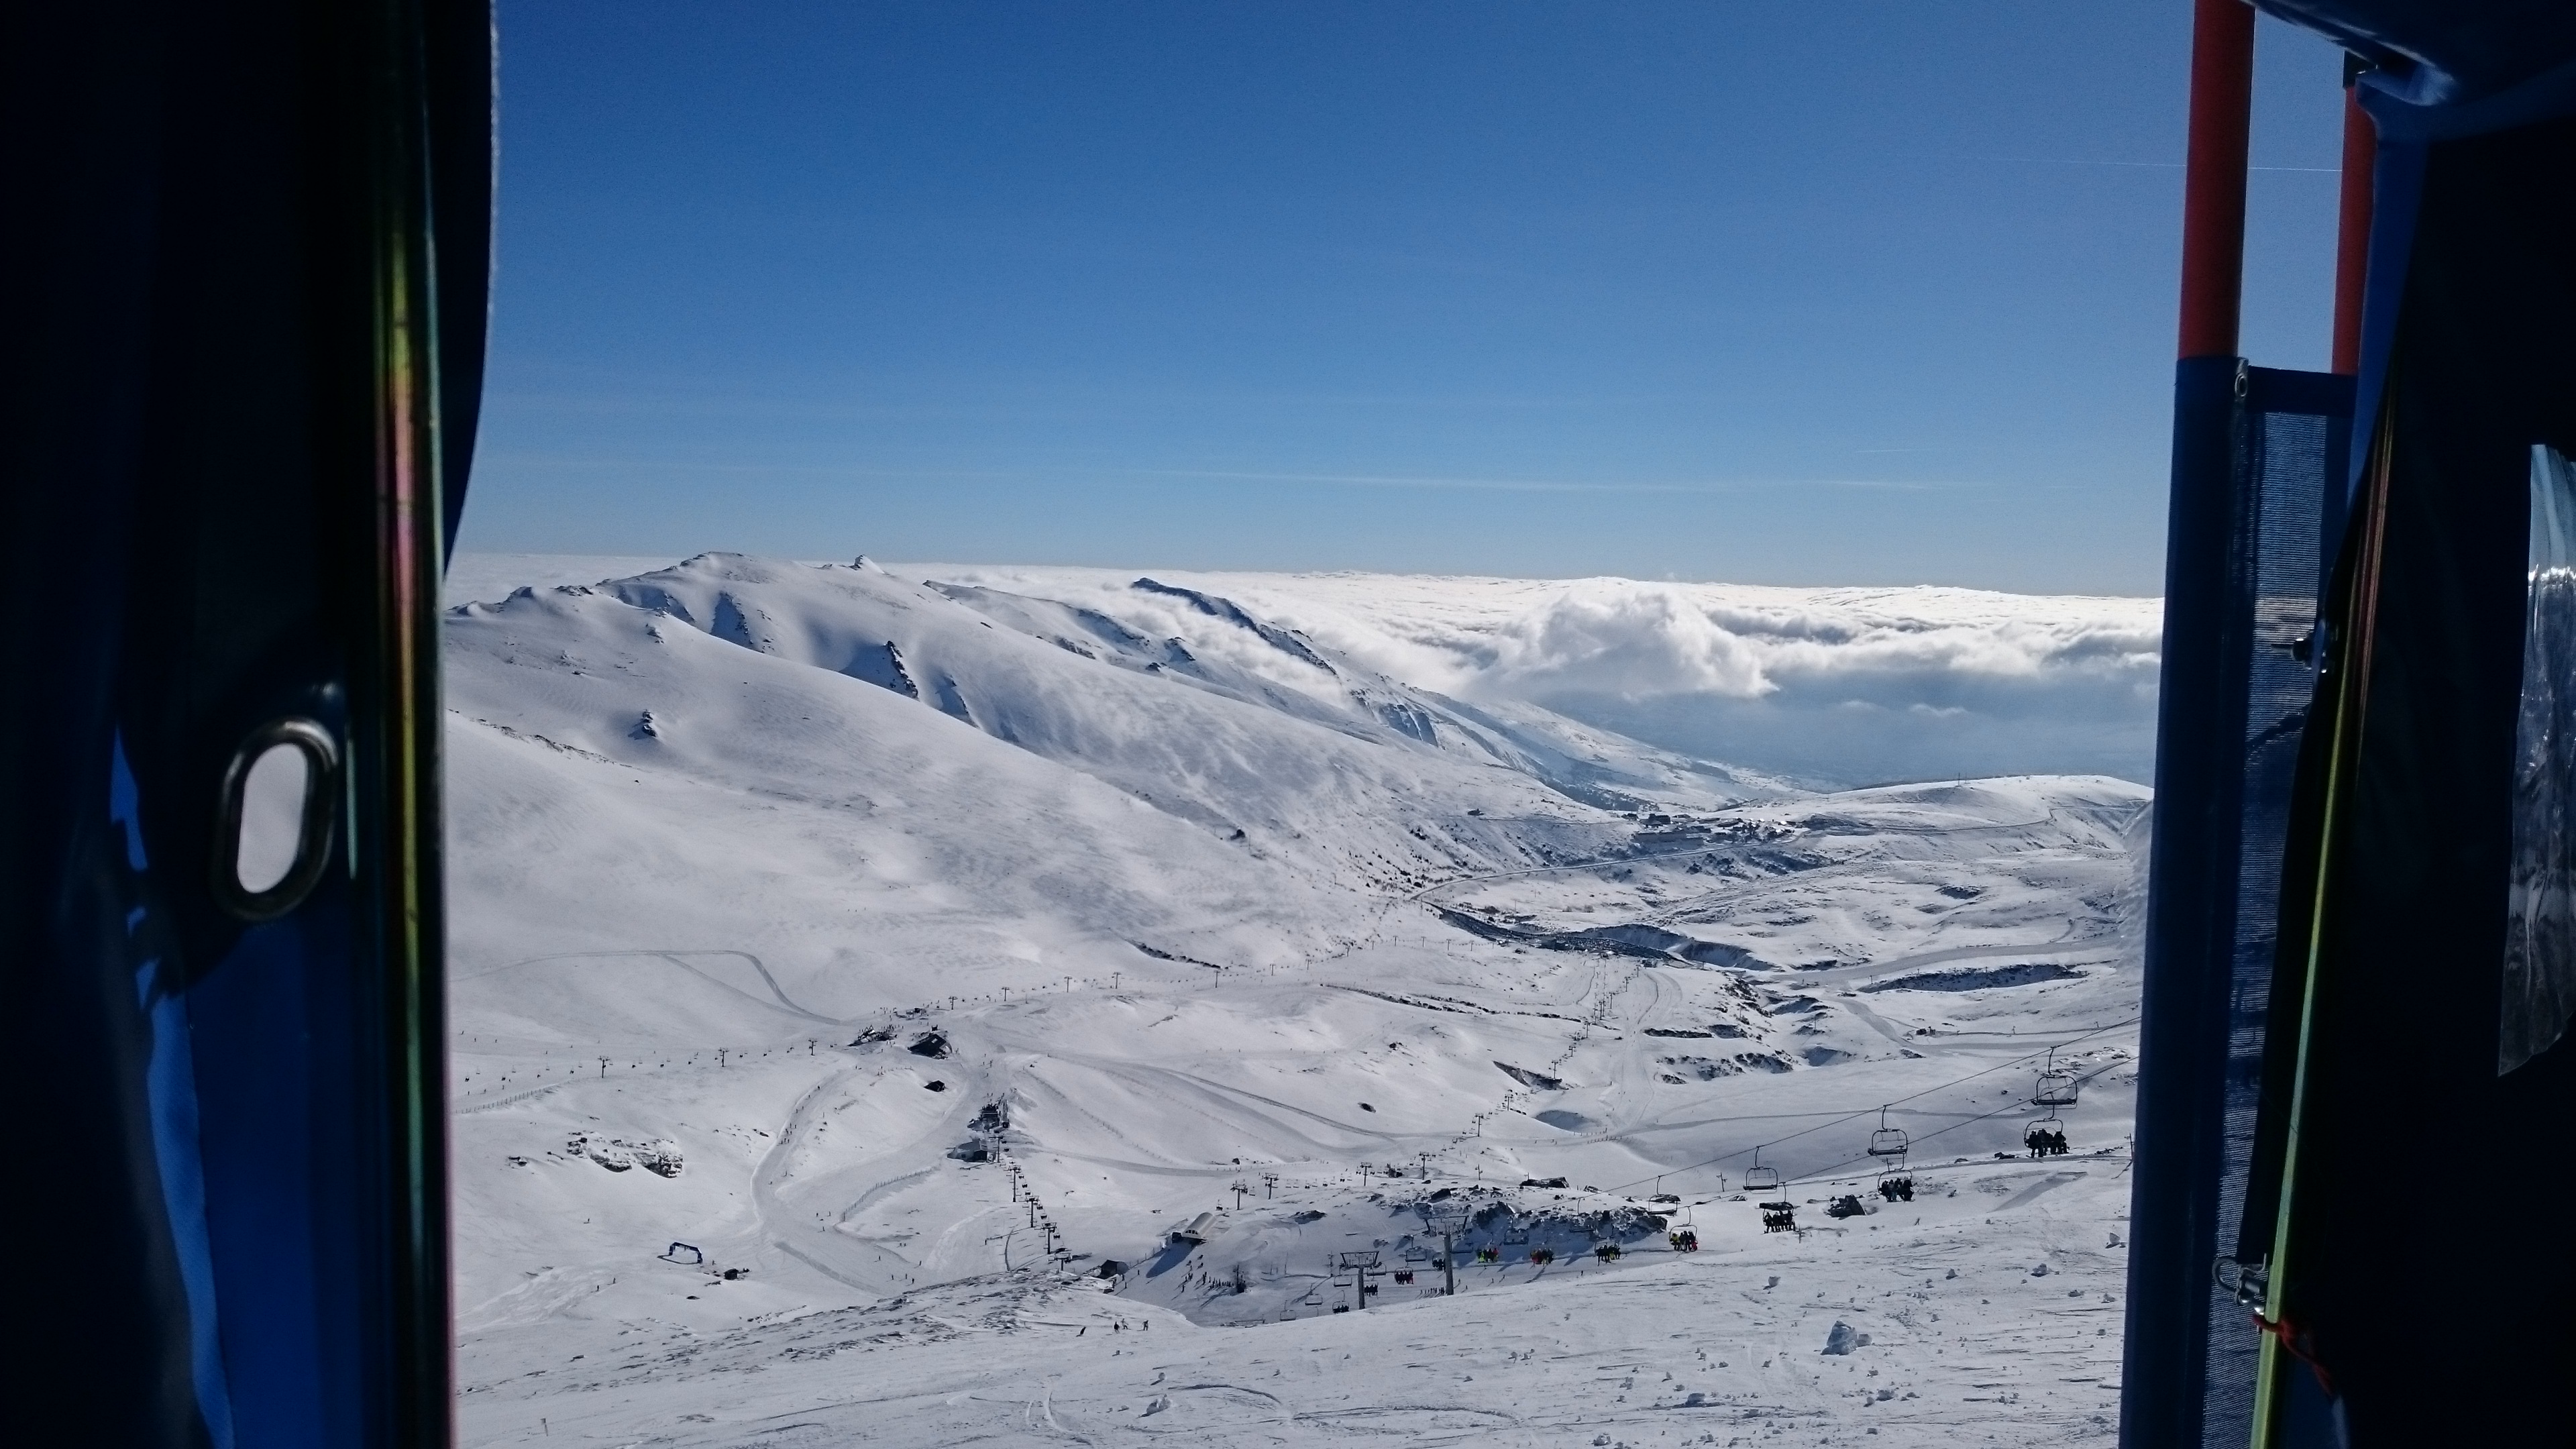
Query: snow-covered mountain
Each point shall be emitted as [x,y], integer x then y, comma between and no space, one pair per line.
[947,949]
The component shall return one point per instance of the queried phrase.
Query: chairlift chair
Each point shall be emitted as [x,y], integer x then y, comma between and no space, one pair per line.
[1760,1179]
[1887,1141]
[2041,1136]
[2056,1087]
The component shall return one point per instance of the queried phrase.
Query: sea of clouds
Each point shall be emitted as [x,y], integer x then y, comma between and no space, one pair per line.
[1830,686]
[1836,686]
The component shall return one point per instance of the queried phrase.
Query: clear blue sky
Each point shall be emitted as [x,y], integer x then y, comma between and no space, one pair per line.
[1788,293]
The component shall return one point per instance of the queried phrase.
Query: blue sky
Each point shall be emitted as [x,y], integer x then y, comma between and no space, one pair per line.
[1824,293]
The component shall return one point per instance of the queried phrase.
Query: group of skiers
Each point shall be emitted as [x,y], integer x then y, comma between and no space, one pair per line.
[2045,1142]
[1896,1189]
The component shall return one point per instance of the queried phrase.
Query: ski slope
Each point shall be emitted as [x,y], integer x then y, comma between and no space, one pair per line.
[936,957]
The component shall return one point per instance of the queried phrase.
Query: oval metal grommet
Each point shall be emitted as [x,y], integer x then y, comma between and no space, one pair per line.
[314,822]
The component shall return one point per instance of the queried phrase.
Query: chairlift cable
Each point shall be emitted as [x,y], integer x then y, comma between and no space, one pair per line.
[1865,1111]
[1827,1173]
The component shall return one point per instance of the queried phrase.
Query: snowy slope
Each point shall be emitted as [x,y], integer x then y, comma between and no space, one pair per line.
[876,937]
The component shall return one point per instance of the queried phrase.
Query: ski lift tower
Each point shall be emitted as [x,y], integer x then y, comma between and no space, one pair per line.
[1448,1219]
[1358,1265]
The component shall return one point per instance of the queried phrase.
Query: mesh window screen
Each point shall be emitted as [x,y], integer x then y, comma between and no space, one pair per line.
[2287,458]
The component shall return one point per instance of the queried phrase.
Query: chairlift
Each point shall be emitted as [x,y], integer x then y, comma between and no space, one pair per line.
[2056,1086]
[2045,1137]
[1758,1178]
[1887,1141]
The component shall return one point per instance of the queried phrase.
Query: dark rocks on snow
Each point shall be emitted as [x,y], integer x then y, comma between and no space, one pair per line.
[1979,978]
[1708,1069]
[934,1085]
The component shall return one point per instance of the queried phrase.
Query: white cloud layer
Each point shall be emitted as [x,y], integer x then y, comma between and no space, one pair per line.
[1842,686]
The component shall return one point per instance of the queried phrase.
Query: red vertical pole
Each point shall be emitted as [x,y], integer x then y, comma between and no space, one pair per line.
[2213,197]
[2352,231]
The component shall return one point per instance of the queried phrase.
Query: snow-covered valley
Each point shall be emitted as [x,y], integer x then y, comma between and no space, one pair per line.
[924,1006]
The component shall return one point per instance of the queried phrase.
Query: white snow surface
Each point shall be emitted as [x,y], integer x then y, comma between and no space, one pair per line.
[929,947]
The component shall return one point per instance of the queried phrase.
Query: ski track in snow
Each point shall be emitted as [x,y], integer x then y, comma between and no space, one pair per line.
[721,867]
